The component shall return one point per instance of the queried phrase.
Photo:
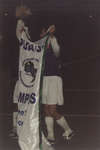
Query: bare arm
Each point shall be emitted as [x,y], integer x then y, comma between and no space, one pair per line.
[50,30]
[21,12]
[19,28]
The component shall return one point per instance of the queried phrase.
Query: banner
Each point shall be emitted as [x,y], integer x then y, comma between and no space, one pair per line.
[30,64]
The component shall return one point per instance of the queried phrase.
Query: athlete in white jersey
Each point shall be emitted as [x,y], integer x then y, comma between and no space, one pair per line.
[26,93]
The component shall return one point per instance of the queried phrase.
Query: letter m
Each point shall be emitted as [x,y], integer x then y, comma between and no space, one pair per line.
[21,97]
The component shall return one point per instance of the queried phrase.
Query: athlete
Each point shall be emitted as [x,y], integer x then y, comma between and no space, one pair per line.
[52,93]
[29,69]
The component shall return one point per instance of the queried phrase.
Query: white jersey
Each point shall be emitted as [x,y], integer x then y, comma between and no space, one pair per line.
[30,64]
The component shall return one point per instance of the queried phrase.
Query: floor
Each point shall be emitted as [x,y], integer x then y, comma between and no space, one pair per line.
[86,127]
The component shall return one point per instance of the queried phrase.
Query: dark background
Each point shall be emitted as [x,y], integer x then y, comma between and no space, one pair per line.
[78,32]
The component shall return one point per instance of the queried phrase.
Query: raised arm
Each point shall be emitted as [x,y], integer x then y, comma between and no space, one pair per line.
[19,28]
[21,12]
[50,30]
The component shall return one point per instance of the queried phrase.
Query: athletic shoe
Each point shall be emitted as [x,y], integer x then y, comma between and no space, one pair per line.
[52,142]
[68,137]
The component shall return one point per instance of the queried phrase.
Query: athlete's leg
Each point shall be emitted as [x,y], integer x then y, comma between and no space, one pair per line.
[49,120]
[60,120]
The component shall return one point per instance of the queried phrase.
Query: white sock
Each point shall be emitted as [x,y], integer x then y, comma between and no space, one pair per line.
[15,121]
[63,123]
[50,127]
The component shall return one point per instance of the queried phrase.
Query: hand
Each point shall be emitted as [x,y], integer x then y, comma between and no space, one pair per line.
[43,32]
[51,29]
[23,11]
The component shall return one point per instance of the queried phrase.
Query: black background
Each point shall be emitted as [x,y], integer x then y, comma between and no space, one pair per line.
[78,32]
